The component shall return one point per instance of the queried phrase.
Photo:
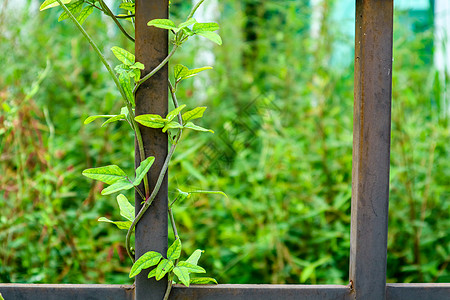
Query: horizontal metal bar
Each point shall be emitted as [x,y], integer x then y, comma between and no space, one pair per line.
[394,291]
[13,291]
[410,291]
[261,292]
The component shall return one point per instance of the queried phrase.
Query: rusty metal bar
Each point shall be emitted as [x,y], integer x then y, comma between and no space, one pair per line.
[371,148]
[152,97]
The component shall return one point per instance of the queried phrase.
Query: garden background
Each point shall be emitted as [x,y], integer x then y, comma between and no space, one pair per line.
[280,100]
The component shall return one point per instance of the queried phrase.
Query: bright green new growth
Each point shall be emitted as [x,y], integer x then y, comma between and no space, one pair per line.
[127,77]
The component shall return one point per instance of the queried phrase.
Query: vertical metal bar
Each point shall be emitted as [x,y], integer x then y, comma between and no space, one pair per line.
[152,97]
[371,148]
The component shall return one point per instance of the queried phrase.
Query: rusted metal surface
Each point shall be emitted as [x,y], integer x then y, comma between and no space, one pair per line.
[11,291]
[371,148]
[151,97]
[420,291]
[261,292]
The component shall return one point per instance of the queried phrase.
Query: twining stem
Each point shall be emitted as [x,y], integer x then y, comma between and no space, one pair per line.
[116,81]
[194,9]
[156,69]
[150,199]
[172,221]
[169,288]
[110,13]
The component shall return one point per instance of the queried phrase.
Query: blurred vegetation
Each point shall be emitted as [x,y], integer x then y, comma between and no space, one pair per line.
[282,152]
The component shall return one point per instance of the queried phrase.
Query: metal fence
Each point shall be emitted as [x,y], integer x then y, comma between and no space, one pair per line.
[370,181]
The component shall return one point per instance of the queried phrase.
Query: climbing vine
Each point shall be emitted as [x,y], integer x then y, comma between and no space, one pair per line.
[127,78]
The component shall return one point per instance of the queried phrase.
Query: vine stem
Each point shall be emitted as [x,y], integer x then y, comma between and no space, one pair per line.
[110,13]
[169,288]
[156,69]
[150,199]
[134,126]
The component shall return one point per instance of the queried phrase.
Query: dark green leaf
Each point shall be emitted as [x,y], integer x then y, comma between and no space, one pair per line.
[142,170]
[205,27]
[163,268]
[114,119]
[195,256]
[92,118]
[187,23]
[151,120]
[126,209]
[74,8]
[203,280]
[128,6]
[171,125]
[192,126]
[124,79]
[123,55]
[171,115]
[147,260]
[86,12]
[174,250]
[162,23]
[120,224]
[196,113]
[191,268]
[108,174]
[152,273]
[120,185]
[51,3]
[182,274]
[212,36]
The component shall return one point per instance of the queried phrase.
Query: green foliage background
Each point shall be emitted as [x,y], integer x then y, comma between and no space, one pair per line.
[282,152]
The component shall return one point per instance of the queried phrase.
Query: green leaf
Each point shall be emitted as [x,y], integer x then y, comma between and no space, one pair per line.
[84,14]
[51,3]
[147,260]
[191,267]
[209,192]
[174,250]
[182,274]
[178,71]
[182,72]
[124,79]
[142,170]
[152,273]
[120,224]
[126,208]
[212,36]
[92,118]
[123,55]
[114,119]
[136,74]
[163,23]
[74,8]
[195,256]
[196,113]
[171,125]
[188,31]
[171,115]
[205,27]
[163,268]
[108,174]
[138,65]
[120,185]
[192,126]
[122,68]
[128,6]
[203,280]
[1,297]
[189,22]
[151,120]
